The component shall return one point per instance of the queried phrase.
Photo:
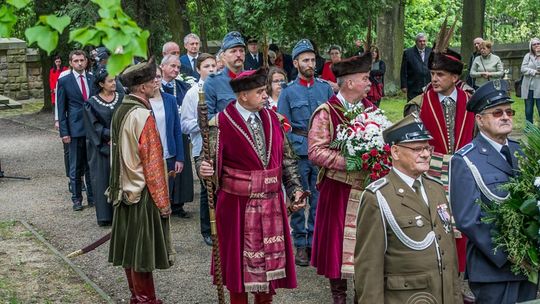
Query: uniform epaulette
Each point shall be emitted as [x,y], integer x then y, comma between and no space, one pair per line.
[465,149]
[376,185]
[433,178]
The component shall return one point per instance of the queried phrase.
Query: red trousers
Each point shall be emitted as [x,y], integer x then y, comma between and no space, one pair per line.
[141,285]
[242,298]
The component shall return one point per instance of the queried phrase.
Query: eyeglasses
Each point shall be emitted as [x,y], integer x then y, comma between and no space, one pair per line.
[278,81]
[536,43]
[418,150]
[499,113]
[158,77]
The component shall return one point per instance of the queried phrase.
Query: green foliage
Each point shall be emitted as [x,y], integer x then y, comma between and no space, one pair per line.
[7,20]
[517,22]
[45,32]
[18,3]
[426,16]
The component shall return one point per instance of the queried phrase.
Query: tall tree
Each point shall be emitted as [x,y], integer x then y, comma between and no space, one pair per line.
[473,26]
[390,35]
[179,24]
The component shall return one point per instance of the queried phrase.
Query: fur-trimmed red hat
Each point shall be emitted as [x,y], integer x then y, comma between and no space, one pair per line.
[352,65]
[248,80]
[449,61]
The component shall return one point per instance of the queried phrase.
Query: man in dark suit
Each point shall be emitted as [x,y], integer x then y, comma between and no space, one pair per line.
[283,60]
[73,91]
[183,183]
[414,68]
[254,58]
[477,172]
[188,62]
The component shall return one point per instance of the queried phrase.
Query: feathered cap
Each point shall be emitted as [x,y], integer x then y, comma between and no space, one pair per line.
[352,65]
[443,58]
[248,80]
[139,73]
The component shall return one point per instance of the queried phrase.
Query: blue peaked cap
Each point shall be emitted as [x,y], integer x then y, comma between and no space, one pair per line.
[302,46]
[231,40]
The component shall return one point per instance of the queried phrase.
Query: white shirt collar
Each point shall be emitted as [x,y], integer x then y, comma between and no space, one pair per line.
[453,95]
[421,51]
[77,74]
[344,102]
[245,113]
[191,57]
[407,179]
[497,146]
[166,83]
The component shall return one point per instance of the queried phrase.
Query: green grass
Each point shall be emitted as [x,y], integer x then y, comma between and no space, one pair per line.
[393,106]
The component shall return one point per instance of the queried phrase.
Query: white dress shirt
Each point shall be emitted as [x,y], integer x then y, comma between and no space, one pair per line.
[158,108]
[410,181]
[245,113]
[189,120]
[452,95]
[79,82]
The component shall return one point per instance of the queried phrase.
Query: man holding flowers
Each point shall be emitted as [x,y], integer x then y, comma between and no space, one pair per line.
[339,189]
[477,172]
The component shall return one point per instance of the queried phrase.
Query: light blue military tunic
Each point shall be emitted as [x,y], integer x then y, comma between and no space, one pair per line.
[297,102]
[218,92]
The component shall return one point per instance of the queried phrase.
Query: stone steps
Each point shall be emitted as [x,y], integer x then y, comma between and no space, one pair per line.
[8,103]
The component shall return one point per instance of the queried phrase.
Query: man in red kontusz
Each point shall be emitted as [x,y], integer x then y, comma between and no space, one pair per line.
[339,190]
[251,160]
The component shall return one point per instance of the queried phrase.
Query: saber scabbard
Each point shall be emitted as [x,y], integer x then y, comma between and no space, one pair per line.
[90,247]
[205,133]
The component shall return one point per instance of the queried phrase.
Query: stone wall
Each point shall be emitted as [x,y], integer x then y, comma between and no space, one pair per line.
[20,70]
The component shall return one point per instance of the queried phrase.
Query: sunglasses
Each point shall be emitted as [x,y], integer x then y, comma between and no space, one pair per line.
[536,43]
[418,150]
[499,113]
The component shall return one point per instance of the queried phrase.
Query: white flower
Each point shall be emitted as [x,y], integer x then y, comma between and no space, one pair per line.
[537,182]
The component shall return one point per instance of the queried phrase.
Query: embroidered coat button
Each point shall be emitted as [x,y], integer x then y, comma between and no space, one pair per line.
[400,190]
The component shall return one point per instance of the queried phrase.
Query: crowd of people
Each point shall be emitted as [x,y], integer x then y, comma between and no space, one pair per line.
[404,238]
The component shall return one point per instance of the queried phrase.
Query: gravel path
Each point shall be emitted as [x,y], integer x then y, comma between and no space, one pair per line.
[30,147]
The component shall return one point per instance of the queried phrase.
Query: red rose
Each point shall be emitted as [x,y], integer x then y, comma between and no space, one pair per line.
[365,156]
[374,152]
[365,166]
[377,166]
[386,148]
[374,176]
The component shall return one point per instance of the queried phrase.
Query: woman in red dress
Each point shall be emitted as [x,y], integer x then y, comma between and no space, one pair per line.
[54,73]
[327,74]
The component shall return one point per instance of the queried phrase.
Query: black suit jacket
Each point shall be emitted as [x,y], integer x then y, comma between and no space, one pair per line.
[251,64]
[70,104]
[415,73]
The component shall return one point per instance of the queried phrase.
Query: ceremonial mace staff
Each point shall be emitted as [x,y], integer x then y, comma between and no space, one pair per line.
[202,110]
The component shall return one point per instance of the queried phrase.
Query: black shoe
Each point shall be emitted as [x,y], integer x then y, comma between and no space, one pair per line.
[208,240]
[69,187]
[183,213]
[301,257]
[104,223]
[309,253]
[77,206]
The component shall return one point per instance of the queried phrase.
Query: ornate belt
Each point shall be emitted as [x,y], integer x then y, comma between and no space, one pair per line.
[256,184]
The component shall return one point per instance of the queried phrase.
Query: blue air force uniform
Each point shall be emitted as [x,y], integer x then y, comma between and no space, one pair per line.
[487,270]
[297,102]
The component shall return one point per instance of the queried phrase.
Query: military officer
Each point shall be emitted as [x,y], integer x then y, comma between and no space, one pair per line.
[405,250]
[297,102]
[218,91]
[478,170]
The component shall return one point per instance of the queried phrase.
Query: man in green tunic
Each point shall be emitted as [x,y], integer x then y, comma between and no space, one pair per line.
[140,237]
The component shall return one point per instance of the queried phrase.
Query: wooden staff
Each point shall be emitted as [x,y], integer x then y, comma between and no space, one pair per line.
[205,133]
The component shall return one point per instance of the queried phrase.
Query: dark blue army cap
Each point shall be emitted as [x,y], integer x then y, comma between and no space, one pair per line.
[491,94]
[231,40]
[408,129]
[302,46]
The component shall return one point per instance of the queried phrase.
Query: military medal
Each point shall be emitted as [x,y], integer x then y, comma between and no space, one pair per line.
[419,222]
[442,210]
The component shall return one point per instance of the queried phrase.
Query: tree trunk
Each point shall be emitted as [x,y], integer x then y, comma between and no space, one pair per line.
[178,20]
[390,37]
[472,27]
[202,27]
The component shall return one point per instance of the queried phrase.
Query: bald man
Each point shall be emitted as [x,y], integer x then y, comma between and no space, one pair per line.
[475,53]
